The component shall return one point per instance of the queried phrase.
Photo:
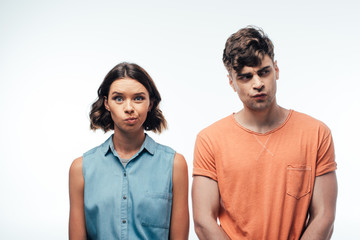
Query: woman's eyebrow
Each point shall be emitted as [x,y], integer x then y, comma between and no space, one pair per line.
[121,93]
[116,93]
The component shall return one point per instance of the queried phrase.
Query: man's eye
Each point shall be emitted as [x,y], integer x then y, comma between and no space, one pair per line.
[244,78]
[264,72]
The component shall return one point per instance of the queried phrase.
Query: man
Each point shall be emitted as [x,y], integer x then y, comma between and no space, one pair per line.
[265,172]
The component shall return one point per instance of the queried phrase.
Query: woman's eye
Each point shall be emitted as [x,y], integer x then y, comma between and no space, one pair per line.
[118,99]
[139,98]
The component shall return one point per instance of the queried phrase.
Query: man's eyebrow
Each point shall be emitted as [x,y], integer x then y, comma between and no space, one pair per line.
[264,68]
[244,74]
[249,74]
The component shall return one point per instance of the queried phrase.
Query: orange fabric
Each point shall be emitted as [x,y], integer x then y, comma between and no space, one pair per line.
[265,180]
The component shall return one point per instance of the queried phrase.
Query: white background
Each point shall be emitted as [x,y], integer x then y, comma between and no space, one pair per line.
[54,55]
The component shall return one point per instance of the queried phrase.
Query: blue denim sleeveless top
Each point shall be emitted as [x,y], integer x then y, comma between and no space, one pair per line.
[132,202]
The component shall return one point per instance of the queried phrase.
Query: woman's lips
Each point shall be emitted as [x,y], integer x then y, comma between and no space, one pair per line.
[131,120]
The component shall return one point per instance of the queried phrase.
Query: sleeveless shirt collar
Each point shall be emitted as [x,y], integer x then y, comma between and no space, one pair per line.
[149,145]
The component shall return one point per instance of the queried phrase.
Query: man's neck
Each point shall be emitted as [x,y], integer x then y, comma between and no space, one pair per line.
[262,121]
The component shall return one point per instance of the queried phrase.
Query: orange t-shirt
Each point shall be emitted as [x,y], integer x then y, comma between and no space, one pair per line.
[265,180]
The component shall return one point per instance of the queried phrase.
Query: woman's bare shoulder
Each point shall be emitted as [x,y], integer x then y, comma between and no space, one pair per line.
[76,167]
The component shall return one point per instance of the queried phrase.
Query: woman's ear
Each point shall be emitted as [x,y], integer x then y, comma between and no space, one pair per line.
[151,105]
[106,104]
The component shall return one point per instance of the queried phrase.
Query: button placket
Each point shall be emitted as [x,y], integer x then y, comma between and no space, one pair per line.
[124,206]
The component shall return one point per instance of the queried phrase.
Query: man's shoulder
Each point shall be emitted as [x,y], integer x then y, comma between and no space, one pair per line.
[307,122]
[217,127]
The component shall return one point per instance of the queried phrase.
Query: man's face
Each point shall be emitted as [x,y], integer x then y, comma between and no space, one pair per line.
[256,86]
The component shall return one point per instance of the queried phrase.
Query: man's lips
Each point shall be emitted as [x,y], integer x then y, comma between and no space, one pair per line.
[260,95]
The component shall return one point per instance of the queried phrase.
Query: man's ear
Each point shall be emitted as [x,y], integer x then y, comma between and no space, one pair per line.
[276,70]
[106,104]
[231,82]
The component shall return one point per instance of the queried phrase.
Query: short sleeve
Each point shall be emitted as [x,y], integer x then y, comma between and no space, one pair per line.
[326,154]
[204,160]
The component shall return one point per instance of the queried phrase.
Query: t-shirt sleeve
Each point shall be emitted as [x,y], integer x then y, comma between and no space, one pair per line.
[326,154]
[204,160]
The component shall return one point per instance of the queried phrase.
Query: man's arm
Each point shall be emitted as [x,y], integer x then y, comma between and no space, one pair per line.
[322,208]
[206,203]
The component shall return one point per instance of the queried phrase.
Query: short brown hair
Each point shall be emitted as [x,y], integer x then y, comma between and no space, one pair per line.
[101,118]
[247,47]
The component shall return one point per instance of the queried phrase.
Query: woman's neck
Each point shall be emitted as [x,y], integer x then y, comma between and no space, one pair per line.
[127,144]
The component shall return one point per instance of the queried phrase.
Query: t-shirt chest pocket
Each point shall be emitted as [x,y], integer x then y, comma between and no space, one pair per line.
[298,181]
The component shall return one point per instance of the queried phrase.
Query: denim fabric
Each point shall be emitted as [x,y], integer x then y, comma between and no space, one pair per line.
[131,202]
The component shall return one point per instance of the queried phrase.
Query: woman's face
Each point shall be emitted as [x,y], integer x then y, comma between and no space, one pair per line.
[128,102]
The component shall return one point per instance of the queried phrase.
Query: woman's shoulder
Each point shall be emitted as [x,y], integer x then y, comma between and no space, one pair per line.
[76,168]
[154,146]
[102,148]
[180,162]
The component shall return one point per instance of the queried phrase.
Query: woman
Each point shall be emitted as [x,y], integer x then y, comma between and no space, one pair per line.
[130,187]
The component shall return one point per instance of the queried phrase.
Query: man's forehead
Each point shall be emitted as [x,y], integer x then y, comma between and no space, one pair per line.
[265,62]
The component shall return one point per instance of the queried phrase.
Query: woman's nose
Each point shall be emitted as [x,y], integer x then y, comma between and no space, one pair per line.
[128,108]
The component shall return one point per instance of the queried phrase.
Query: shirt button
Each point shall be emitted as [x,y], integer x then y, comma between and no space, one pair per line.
[123,221]
[124,174]
[124,197]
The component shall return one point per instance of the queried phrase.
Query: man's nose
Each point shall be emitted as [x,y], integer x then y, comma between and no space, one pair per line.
[258,83]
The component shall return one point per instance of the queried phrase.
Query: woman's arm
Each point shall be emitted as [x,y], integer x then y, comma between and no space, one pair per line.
[77,229]
[179,226]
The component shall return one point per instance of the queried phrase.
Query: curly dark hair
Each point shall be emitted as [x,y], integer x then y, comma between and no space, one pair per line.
[247,47]
[101,118]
